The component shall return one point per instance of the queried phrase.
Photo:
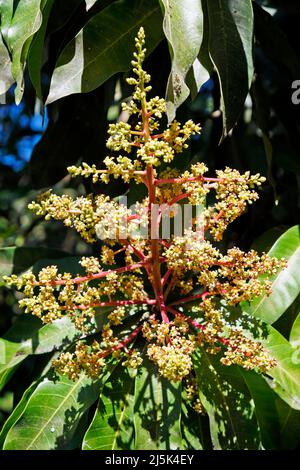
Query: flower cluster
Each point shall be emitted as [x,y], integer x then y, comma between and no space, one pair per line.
[166,292]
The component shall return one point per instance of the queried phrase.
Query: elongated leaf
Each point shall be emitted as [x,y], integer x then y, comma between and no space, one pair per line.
[285,285]
[289,425]
[6,78]
[230,47]
[194,428]
[265,409]
[157,410]
[112,426]
[104,47]
[35,54]
[6,13]
[26,21]
[183,27]
[226,399]
[52,414]
[286,375]
[16,414]
[295,334]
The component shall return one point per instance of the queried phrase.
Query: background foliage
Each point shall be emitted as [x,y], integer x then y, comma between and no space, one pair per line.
[227,64]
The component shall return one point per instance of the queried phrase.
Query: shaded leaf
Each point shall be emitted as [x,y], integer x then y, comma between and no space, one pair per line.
[285,284]
[36,51]
[104,47]
[194,428]
[230,47]
[265,408]
[157,410]
[52,414]
[226,399]
[183,27]
[112,425]
[289,424]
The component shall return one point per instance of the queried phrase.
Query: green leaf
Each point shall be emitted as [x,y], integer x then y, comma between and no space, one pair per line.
[264,242]
[26,21]
[286,375]
[157,411]
[112,426]
[265,408]
[295,333]
[289,425]
[230,47]
[183,27]
[6,13]
[15,260]
[6,78]
[285,284]
[104,47]
[26,337]
[52,414]
[17,413]
[226,399]
[194,428]
[36,51]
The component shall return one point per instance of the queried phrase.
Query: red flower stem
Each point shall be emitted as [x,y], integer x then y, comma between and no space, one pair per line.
[123,343]
[117,303]
[192,178]
[166,276]
[155,270]
[191,298]
[169,288]
[195,324]
[178,198]
[139,253]
[92,277]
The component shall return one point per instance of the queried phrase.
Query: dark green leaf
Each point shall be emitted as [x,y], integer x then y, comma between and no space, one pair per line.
[104,47]
[285,284]
[289,425]
[295,333]
[112,425]
[183,27]
[265,408]
[226,399]
[157,411]
[230,47]
[36,51]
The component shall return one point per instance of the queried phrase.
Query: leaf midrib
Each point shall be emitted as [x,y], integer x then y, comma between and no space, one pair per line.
[55,412]
[103,51]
